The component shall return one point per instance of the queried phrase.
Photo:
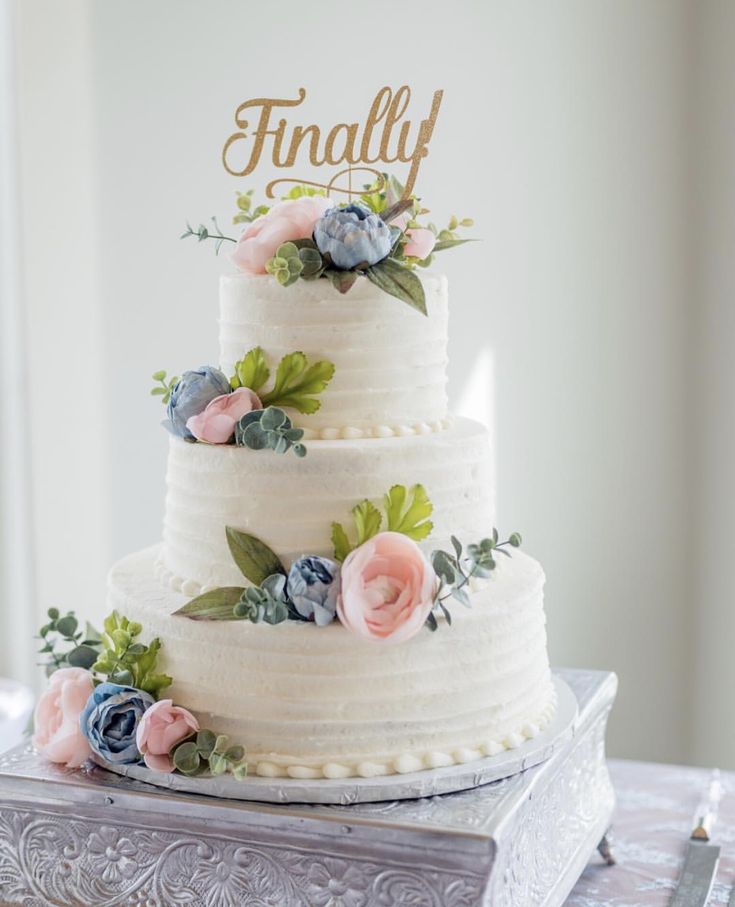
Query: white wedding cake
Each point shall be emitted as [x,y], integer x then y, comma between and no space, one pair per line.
[330,598]
[309,701]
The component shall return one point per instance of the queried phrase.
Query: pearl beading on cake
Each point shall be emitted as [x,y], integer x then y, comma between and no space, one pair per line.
[354,432]
[413,762]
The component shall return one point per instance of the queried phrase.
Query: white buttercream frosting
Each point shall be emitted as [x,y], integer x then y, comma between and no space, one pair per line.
[311,702]
[390,360]
[290,503]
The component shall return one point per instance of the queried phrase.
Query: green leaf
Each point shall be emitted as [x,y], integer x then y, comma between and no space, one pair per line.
[342,546]
[272,418]
[217,764]
[297,383]
[205,742]
[217,604]
[252,370]
[431,622]
[287,250]
[220,744]
[235,754]
[398,281]
[82,657]
[67,625]
[515,539]
[343,280]
[444,566]
[412,520]
[254,558]
[450,244]
[186,758]
[368,520]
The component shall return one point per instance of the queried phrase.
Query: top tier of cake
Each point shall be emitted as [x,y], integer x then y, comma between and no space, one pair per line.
[390,360]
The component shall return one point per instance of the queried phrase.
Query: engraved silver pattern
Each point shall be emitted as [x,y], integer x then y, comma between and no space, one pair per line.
[92,839]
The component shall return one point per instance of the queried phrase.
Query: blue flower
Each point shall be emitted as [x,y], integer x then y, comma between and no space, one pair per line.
[313,587]
[191,394]
[110,719]
[353,235]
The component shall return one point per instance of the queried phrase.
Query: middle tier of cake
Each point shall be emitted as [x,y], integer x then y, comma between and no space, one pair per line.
[290,503]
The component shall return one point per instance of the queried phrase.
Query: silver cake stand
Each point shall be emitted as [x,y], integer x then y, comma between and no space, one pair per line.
[410,786]
[90,838]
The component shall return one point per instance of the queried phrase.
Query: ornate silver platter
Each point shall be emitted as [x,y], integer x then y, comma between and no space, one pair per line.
[411,786]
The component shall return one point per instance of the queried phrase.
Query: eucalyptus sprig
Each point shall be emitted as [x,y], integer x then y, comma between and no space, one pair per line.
[269,429]
[202,233]
[456,570]
[125,661]
[246,214]
[65,644]
[207,751]
[163,386]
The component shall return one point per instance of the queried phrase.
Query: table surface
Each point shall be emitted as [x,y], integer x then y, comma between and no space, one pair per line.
[652,822]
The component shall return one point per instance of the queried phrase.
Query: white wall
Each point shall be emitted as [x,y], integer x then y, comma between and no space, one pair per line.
[565,132]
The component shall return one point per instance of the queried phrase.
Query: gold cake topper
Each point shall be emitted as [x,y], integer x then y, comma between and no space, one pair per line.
[345,143]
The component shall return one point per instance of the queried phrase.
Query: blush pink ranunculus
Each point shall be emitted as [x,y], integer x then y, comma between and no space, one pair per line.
[57,733]
[420,243]
[288,220]
[387,589]
[216,424]
[162,726]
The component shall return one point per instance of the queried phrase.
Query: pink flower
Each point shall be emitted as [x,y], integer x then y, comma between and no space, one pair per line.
[57,734]
[387,588]
[162,726]
[420,243]
[286,221]
[217,423]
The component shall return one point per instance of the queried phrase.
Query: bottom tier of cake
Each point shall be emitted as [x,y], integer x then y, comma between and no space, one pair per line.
[311,702]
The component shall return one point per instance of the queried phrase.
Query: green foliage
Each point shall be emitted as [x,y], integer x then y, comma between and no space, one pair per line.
[207,751]
[163,386]
[65,645]
[409,511]
[265,603]
[269,429]
[217,604]
[286,265]
[406,511]
[301,191]
[251,371]
[246,213]
[454,570]
[202,233]
[297,383]
[123,660]
[397,280]
[254,558]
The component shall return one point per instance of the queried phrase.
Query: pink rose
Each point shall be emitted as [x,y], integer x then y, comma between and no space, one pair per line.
[162,726]
[286,221]
[217,423]
[420,243]
[387,588]
[57,734]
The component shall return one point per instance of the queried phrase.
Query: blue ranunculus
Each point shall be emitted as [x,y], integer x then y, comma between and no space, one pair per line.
[352,235]
[190,396]
[110,719]
[313,587]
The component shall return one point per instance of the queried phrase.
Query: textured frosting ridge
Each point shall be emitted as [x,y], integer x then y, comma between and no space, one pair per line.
[312,702]
[291,503]
[390,361]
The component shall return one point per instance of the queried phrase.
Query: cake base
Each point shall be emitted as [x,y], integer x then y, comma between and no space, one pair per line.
[84,838]
[411,786]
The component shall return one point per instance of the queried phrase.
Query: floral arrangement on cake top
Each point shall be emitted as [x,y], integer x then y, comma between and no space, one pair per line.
[204,405]
[381,236]
[380,587]
[103,700]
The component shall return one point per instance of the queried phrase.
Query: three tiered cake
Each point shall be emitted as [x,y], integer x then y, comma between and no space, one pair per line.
[403,643]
